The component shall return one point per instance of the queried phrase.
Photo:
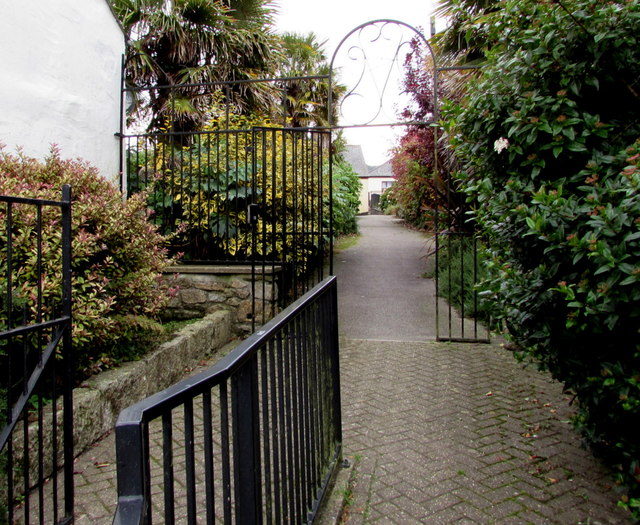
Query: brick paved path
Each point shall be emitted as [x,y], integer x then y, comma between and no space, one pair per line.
[447,433]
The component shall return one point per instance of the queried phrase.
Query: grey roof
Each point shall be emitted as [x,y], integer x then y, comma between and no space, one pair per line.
[354,156]
[384,170]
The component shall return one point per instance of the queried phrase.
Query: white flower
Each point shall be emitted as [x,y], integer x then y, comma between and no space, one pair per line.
[500,144]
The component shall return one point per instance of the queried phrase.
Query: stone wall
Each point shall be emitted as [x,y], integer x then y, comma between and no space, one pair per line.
[100,399]
[205,289]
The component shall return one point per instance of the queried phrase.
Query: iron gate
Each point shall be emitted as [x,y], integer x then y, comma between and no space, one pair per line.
[255,438]
[36,370]
[290,212]
[456,269]
[259,197]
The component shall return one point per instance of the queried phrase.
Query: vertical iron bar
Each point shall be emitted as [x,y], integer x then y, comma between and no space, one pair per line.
[289,429]
[252,225]
[190,463]
[208,457]
[267,394]
[332,328]
[293,352]
[302,410]
[9,303]
[462,241]
[331,233]
[316,402]
[294,235]
[286,267]
[25,465]
[132,471]
[67,350]
[246,455]
[275,291]
[275,430]
[282,391]
[167,467]
[225,452]
[474,239]
[306,406]
[120,134]
[41,476]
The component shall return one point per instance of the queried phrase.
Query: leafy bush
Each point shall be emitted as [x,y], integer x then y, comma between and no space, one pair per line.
[117,255]
[388,203]
[460,268]
[545,135]
[346,199]
[422,165]
[199,190]
[412,192]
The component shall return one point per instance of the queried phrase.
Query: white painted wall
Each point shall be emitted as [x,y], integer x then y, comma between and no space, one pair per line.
[60,79]
[371,185]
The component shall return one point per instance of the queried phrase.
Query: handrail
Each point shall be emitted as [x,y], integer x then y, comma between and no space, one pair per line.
[251,415]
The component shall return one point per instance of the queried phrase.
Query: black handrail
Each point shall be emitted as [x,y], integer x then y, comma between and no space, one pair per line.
[279,434]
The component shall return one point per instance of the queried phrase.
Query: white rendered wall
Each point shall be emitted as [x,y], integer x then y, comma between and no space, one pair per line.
[60,79]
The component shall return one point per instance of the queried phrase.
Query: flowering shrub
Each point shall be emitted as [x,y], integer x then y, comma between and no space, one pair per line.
[422,165]
[117,255]
[545,137]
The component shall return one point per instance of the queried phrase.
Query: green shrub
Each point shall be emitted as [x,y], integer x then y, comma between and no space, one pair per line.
[544,135]
[388,204]
[346,199]
[117,256]
[412,192]
[459,269]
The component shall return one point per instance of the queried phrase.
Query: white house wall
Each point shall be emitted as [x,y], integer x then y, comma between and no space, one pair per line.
[60,63]
[371,185]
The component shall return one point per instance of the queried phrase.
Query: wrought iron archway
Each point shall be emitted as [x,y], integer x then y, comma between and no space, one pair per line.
[452,324]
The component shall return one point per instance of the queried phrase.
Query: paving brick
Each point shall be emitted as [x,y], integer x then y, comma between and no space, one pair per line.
[487,439]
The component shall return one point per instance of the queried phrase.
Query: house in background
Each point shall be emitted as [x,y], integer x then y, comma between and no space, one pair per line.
[375,179]
[61,80]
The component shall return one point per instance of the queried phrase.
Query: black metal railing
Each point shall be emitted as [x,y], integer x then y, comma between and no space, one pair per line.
[260,197]
[35,360]
[254,439]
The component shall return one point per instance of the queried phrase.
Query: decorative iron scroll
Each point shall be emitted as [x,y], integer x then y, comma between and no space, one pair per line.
[370,62]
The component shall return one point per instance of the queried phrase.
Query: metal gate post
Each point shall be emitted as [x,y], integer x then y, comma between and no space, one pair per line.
[67,352]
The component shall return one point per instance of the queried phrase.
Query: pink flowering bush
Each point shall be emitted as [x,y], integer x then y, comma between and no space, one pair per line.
[117,257]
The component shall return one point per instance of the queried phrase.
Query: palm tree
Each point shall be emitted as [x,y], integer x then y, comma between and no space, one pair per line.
[306,101]
[465,40]
[174,46]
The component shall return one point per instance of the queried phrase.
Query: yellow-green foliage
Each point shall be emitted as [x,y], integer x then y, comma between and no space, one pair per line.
[202,186]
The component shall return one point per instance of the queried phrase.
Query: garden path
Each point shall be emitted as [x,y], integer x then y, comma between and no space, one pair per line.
[443,433]
[436,433]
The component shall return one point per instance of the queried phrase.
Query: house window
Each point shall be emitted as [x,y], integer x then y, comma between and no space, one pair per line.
[386,184]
